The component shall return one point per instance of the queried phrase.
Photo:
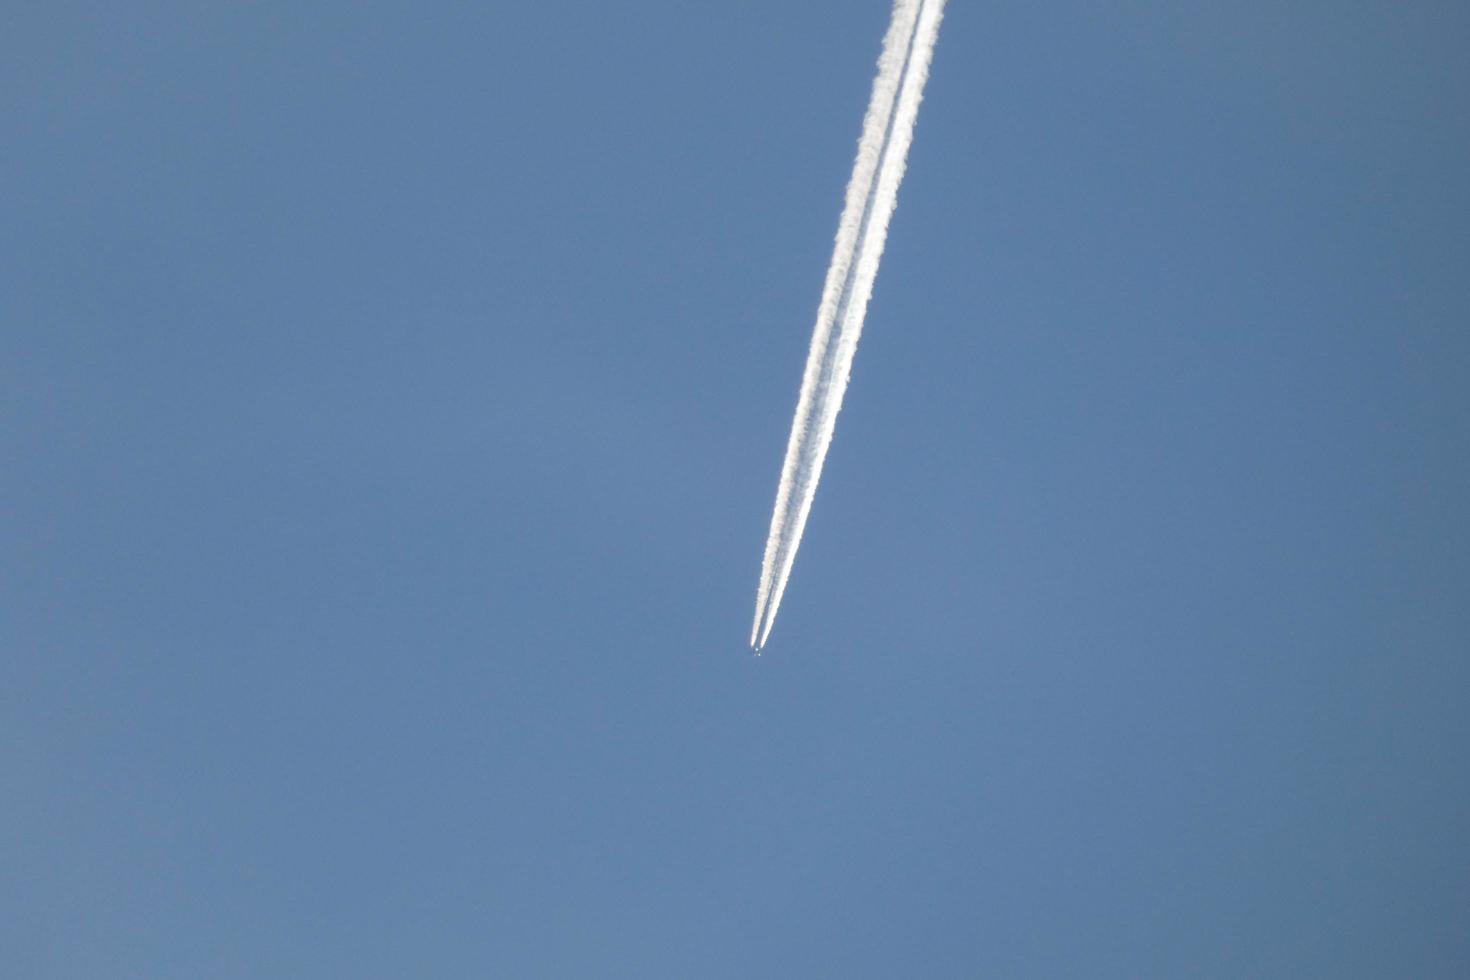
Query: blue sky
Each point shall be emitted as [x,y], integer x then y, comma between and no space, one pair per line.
[391,403]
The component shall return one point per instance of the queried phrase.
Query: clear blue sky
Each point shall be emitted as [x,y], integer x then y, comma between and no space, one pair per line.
[392,397]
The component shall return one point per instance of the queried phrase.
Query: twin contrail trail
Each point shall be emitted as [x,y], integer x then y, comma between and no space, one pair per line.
[888,128]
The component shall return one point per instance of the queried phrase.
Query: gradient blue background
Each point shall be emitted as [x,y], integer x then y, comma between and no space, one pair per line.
[391,402]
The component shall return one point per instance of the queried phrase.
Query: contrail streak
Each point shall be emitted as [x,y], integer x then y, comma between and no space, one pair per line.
[888,128]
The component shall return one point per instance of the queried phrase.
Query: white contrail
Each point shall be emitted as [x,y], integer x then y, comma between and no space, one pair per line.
[888,128]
